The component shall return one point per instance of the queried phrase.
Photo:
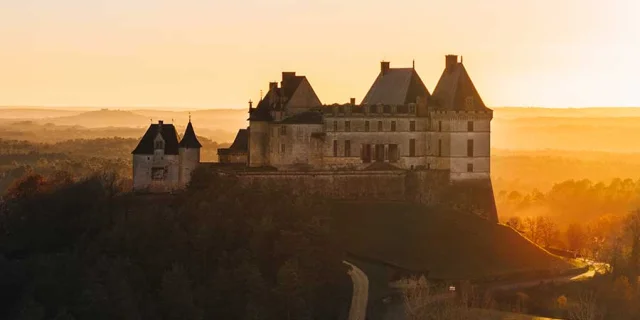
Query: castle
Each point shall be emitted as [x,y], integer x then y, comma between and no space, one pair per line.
[398,124]
[161,161]
[400,143]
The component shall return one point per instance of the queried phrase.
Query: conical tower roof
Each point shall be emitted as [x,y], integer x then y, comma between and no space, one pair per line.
[189,139]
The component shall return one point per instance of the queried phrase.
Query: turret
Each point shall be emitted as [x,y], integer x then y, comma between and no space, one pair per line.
[461,125]
[189,150]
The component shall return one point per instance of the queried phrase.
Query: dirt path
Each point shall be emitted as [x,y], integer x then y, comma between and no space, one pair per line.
[358,310]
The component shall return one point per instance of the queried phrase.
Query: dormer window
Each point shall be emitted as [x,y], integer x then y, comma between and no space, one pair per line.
[159,145]
[469,103]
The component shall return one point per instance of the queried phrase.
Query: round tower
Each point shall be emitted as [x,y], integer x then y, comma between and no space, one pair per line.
[259,119]
[189,154]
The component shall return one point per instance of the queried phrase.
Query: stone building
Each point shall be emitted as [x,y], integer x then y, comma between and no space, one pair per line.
[237,152]
[162,162]
[399,125]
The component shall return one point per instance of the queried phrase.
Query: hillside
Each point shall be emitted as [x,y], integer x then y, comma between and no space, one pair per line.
[103,118]
[447,244]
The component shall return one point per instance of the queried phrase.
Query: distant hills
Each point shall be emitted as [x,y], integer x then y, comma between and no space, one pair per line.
[47,125]
[514,128]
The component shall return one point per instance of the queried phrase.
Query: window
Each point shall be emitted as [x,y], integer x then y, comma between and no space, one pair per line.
[439,148]
[335,126]
[393,126]
[469,167]
[412,109]
[380,126]
[380,152]
[158,173]
[283,130]
[412,148]
[366,126]
[470,148]
[470,126]
[282,148]
[439,125]
[335,148]
[347,126]
[347,148]
[412,126]
[393,153]
[366,153]
[469,103]
[159,144]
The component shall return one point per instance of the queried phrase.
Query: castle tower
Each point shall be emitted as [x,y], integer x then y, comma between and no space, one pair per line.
[189,151]
[156,159]
[460,125]
[259,119]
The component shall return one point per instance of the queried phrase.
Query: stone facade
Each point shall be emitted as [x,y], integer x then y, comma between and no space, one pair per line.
[401,143]
[162,162]
[398,123]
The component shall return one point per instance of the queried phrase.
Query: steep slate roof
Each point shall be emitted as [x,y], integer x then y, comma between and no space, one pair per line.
[453,89]
[308,117]
[278,98]
[396,86]
[189,140]
[240,143]
[169,134]
[289,85]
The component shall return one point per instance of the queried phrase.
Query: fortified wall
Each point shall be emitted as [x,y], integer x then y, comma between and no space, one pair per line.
[428,187]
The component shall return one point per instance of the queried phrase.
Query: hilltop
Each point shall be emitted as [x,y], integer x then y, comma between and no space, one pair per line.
[103,118]
[445,243]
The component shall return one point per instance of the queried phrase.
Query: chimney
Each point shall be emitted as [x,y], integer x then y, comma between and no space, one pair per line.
[287,75]
[451,60]
[352,101]
[273,85]
[384,67]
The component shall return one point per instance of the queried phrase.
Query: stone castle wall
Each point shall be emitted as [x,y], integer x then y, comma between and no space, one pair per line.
[424,186]
[428,187]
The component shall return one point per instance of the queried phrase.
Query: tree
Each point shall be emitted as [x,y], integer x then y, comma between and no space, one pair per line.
[585,308]
[515,223]
[632,227]
[576,237]
[548,232]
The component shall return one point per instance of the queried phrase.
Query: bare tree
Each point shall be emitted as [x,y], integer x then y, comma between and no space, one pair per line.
[423,302]
[515,223]
[576,237]
[547,231]
[585,308]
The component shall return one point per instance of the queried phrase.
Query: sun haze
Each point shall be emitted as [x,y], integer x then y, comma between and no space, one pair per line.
[220,54]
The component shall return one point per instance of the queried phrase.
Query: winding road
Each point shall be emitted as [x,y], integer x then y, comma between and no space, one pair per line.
[358,310]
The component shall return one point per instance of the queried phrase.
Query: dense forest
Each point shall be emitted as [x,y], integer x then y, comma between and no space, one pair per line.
[78,157]
[87,249]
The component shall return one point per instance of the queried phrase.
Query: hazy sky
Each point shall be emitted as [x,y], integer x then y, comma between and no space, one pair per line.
[221,53]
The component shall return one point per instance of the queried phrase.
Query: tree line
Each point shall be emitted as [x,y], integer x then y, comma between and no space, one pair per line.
[86,248]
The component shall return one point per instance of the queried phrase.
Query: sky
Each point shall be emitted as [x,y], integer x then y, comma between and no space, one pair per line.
[220,54]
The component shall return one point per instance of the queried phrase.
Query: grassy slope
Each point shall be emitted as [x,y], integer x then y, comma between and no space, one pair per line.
[447,244]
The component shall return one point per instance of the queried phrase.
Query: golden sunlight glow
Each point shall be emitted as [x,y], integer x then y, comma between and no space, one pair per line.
[218,54]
